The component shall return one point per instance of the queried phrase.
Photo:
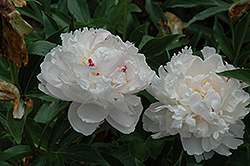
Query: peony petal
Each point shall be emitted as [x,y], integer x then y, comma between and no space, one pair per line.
[223,150]
[92,113]
[77,123]
[232,142]
[206,145]
[192,145]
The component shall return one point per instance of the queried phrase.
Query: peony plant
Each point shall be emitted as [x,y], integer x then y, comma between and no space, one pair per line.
[205,109]
[99,73]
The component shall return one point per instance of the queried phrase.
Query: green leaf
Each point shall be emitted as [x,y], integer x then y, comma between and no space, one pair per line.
[40,47]
[155,147]
[103,8]
[138,162]
[122,153]
[16,152]
[16,126]
[238,158]
[62,18]
[195,39]
[208,13]
[50,24]
[80,10]
[36,131]
[55,37]
[243,57]
[192,3]
[84,153]
[222,40]
[62,134]
[239,74]
[240,33]
[139,150]
[137,35]
[46,5]
[72,25]
[154,11]
[32,11]
[157,46]
[2,163]
[46,112]
[27,74]
[131,137]
[48,159]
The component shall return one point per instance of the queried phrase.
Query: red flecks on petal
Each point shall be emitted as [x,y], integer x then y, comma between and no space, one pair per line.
[212,109]
[228,78]
[91,64]
[97,74]
[124,69]
[106,39]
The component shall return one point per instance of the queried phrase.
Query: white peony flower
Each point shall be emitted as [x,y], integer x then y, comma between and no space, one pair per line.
[204,108]
[99,73]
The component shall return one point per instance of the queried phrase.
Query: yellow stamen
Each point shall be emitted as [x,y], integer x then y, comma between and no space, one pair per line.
[197,90]
[205,82]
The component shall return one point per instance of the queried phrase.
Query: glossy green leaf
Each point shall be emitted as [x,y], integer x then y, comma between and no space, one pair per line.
[122,153]
[222,40]
[15,126]
[55,37]
[15,152]
[61,17]
[238,158]
[208,13]
[47,159]
[103,8]
[46,5]
[46,112]
[80,10]
[35,131]
[154,11]
[84,153]
[137,35]
[62,134]
[111,159]
[155,146]
[50,25]
[139,150]
[240,33]
[40,47]
[243,57]
[195,39]
[28,74]
[239,74]
[33,11]
[157,46]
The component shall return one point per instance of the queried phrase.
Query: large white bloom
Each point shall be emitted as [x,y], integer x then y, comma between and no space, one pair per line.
[99,73]
[204,108]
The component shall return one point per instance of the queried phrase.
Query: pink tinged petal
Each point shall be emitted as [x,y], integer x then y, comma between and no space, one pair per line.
[77,123]
[223,150]
[92,113]
[206,145]
[232,142]
[192,145]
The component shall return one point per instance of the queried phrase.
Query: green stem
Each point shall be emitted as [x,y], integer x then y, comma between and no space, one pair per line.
[14,73]
[30,141]
[125,20]
[49,122]
[2,115]
[180,158]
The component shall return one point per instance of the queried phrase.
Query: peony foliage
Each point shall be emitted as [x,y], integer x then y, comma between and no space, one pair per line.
[118,82]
